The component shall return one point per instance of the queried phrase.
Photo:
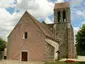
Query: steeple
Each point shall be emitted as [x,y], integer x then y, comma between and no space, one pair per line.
[63,30]
[62,12]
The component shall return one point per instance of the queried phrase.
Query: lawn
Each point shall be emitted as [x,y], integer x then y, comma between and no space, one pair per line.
[60,62]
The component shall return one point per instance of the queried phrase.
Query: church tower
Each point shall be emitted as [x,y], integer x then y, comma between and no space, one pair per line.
[64,30]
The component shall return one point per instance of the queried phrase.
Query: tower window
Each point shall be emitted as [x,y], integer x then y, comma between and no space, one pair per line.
[64,16]
[25,35]
[59,16]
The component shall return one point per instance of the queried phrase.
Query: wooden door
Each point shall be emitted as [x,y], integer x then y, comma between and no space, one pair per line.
[24,56]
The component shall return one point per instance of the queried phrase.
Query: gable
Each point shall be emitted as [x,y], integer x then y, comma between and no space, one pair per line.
[42,27]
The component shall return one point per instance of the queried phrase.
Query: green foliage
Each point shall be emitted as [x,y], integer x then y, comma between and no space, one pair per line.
[2,44]
[80,41]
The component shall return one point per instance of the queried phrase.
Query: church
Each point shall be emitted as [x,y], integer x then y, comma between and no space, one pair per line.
[32,40]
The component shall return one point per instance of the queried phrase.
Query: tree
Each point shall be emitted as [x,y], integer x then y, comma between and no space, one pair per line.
[80,41]
[2,44]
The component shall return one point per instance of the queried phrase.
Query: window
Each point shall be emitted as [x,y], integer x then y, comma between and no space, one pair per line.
[25,35]
[59,16]
[64,16]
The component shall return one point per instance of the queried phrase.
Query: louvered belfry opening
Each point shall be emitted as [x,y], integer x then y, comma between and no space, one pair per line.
[64,16]
[59,17]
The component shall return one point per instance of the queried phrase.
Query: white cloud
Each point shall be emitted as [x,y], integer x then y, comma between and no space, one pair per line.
[6,3]
[4,22]
[78,13]
[83,22]
[76,29]
[81,13]
[38,8]
[7,22]
[59,1]
[48,21]
[75,2]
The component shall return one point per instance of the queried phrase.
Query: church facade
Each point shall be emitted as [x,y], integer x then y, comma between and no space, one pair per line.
[32,40]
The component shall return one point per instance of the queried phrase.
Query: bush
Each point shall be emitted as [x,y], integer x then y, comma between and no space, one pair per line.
[2,44]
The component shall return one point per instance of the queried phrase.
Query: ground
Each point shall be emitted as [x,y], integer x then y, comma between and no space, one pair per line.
[18,62]
[65,63]
[35,62]
[79,60]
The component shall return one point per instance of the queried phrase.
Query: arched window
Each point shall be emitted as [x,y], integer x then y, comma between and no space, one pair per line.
[64,16]
[59,16]
[25,35]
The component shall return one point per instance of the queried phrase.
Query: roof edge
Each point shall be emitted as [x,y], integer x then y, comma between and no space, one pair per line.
[17,23]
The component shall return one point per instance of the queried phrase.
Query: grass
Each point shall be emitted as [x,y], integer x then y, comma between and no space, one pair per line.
[60,62]
[54,62]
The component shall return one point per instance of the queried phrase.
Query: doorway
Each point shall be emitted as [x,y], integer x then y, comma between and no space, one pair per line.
[24,56]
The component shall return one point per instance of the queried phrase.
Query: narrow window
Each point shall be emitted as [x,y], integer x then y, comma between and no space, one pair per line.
[64,16]
[59,16]
[25,35]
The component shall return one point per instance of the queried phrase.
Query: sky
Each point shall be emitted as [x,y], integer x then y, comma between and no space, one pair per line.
[12,10]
